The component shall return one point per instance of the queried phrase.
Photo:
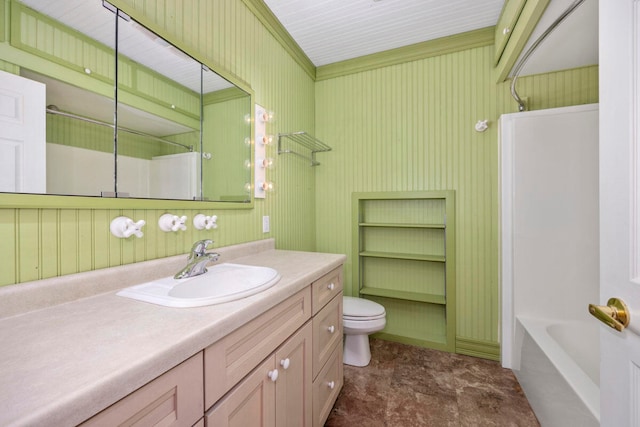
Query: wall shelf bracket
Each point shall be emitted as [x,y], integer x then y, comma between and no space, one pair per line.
[307,141]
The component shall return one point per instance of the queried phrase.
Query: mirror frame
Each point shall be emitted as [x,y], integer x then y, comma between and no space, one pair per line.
[49,201]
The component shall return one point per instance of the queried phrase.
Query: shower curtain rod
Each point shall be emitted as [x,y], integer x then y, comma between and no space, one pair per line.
[52,110]
[518,68]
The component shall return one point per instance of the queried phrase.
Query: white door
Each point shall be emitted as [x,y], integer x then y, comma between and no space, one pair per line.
[620,207]
[22,135]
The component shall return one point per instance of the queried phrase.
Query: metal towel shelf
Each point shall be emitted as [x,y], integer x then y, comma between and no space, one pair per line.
[307,141]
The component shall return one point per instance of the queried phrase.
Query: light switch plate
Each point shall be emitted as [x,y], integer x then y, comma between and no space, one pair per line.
[265,224]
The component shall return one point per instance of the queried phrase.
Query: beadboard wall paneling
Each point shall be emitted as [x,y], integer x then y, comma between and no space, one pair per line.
[42,243]
[410,127]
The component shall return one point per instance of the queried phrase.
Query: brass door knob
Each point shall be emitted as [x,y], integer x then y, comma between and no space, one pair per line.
[615,314]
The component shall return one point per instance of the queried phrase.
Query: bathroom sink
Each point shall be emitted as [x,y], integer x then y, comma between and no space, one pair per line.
[221,283]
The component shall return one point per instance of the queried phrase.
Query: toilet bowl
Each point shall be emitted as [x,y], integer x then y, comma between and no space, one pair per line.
[360,318]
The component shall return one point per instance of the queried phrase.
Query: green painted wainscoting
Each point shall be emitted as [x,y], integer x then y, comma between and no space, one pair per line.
[410,127]
[39,243]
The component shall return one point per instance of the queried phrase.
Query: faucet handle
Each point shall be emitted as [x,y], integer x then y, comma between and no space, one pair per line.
[199,248]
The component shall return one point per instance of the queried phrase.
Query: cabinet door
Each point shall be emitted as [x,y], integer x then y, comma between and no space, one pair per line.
[173,399]
[227,361]
[294,405]
[506,23]
[251,403]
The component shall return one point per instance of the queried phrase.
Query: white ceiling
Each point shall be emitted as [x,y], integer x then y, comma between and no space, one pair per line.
[330,31]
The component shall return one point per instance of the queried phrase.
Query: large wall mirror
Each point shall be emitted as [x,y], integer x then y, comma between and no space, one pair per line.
[172,129]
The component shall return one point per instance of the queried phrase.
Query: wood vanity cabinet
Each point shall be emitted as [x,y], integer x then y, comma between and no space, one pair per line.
[283,368]
[270,395]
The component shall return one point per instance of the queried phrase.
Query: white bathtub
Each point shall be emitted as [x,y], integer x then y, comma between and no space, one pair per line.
[558,369]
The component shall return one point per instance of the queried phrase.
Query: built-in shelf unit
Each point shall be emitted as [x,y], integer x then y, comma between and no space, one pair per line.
[303,139]
[404,258]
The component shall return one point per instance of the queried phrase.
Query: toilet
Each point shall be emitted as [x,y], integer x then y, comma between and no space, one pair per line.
[360,318]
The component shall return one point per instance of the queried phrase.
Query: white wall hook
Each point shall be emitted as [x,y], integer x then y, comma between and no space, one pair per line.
[168,222]
[124,227]
[202,222]
[482,125]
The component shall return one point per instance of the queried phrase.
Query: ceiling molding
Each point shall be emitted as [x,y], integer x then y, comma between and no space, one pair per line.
[430,48]
[273,25]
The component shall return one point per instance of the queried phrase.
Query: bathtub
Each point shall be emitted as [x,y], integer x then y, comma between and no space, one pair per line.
[558,369]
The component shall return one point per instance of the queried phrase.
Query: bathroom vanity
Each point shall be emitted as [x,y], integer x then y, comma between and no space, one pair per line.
[274,358]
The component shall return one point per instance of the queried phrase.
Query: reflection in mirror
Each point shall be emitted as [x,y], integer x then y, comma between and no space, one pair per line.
[195,154]
[182,128]
[49,44]
[226,141]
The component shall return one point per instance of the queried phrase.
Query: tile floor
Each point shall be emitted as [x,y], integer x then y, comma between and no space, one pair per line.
[406,386]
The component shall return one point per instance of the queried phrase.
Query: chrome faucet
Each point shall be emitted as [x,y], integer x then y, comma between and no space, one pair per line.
[198,260]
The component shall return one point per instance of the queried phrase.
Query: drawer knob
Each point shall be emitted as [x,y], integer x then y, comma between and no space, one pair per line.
[331,384]
[331,286]
[273,375]
[506,31]
[331,329]
[285,363]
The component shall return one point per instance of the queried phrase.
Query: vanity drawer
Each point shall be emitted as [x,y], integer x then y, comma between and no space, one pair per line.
[327,333]
[325,288]
[327,386]
[227,361]
[174,398]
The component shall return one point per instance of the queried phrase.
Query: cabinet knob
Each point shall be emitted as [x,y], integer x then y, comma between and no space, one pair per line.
[273,375]
[285,363]
[331,286]
[506,31]
[331,329]
[331,384]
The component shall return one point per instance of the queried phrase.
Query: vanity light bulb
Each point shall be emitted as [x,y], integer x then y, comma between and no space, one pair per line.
[266,116]
[267,163]
[267,139]
[267,186]
[270,117]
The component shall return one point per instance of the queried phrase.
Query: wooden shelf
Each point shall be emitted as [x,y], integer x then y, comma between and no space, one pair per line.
[408,296]
[400,225]
[393,255]
[404,252]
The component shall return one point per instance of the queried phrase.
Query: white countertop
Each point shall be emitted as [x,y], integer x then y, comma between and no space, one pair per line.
[60,365]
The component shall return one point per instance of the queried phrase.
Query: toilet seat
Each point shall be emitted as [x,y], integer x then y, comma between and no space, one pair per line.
[360,309]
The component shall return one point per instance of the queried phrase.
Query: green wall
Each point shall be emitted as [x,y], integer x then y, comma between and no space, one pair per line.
[408,126]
